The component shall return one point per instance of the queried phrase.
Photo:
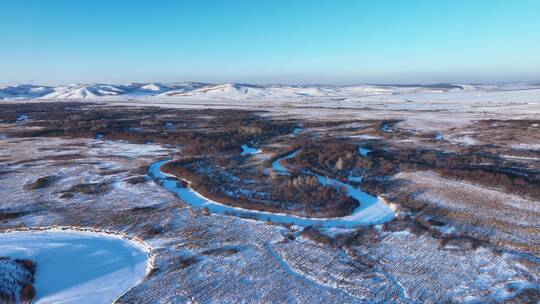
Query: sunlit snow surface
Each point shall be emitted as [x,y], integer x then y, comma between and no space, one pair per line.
[78,267]
[439,94]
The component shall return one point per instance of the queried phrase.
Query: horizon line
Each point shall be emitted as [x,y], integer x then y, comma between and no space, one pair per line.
[412,84]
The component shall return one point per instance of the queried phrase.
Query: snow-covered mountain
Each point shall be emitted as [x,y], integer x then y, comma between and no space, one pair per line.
[246,91]
[234,91]
[93,91]
[24,91]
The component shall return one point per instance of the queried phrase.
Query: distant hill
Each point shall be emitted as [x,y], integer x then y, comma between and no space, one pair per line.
[231,91]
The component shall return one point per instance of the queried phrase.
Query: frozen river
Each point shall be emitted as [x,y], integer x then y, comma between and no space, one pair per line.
[372,210]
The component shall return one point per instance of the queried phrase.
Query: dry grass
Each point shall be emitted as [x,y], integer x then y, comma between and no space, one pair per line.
[136,180]
[490,214]
[87,189]
[42,182]
[185,262]
[10,215]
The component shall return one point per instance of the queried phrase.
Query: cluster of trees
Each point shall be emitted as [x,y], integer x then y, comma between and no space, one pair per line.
[513,182]
[299,194]
[304,194]
[198,131]
[475,165]
[328,157]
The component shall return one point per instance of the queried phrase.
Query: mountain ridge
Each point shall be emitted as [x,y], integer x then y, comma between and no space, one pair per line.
[233,91]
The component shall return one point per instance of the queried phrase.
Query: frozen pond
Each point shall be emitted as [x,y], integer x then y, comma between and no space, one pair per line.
[246,150]
[363,151]
[386,127]
[297,131]
[78,267]
[372,210]
[23,117]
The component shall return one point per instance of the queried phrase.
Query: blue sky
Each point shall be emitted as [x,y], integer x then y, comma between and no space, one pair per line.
[272,41]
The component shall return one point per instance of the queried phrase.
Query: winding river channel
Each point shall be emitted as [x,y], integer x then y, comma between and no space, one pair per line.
[372,210]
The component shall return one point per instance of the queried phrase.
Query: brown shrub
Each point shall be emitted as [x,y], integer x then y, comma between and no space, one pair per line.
[136,180]
[28,265]
[88,189]
[316,236]
[42,182]
[28,293]
[185,262]
[10,215]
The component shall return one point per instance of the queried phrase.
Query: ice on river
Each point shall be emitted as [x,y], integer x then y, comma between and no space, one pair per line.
[372,210]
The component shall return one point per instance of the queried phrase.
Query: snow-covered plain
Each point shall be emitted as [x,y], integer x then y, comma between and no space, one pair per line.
[77,266]
[497,216]
[218,258]
[433,107]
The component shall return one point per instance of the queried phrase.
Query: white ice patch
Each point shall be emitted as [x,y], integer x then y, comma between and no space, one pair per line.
[365,136]
[23,117]
[78,267]
[246,150]
[126,149]
[357,179]
[296,131]
[363,151]
[531,146]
